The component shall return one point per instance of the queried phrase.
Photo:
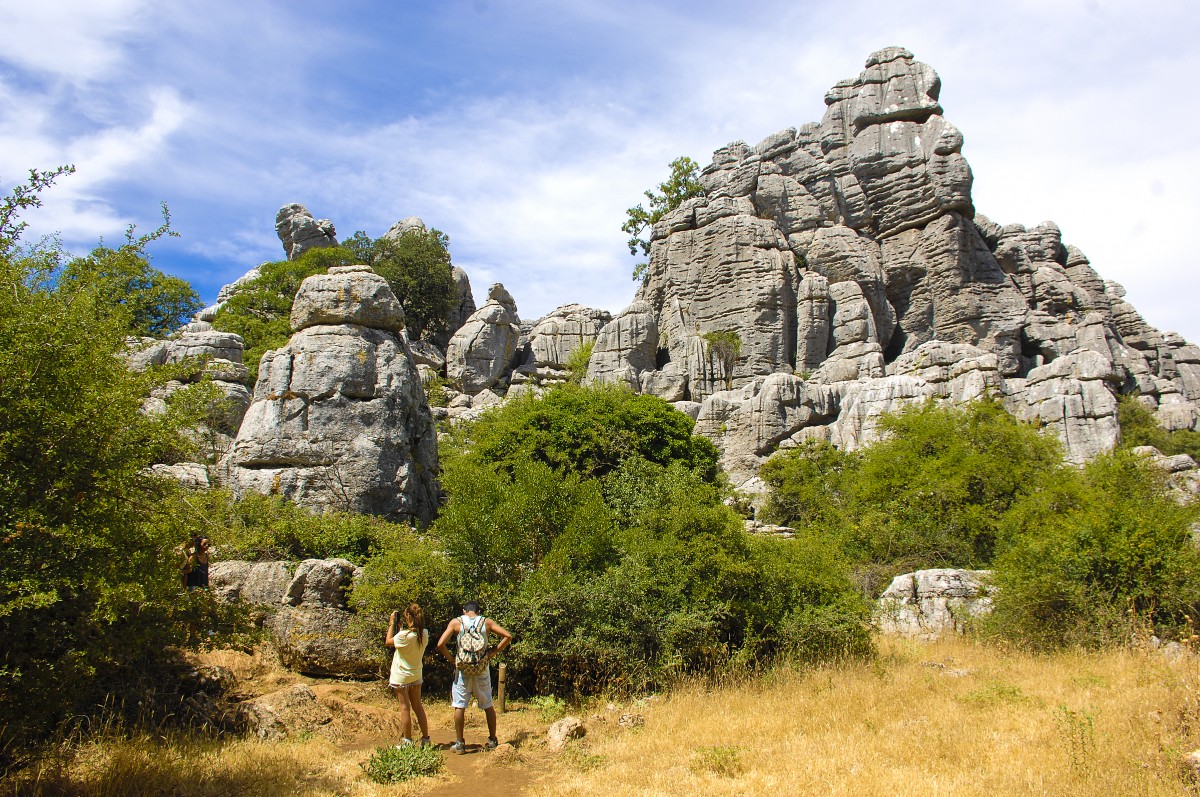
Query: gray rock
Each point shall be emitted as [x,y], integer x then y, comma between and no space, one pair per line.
[483,349]
[347,295]
[560,334]
[625,347]
[929,603]
[320,583]
[189,474]
[298,231]
[289,712]
[339,418]
[258,584]
[320,641]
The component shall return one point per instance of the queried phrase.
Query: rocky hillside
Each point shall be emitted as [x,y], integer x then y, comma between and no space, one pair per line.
[845,258]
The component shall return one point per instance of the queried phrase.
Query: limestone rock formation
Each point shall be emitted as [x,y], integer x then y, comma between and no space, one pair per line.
[847,256]
[298,231]
[482,350]
[554,339]
[339,418]
[929,603]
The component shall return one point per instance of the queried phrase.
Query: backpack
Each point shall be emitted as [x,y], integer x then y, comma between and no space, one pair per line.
[471,659]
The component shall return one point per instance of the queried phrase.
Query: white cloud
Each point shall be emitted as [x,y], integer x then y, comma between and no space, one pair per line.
[79,40]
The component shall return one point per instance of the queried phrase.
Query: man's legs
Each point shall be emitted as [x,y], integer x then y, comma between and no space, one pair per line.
[460,720]
[490,713]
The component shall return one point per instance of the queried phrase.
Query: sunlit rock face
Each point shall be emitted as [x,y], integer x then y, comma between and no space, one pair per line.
[847,254]
[339,419]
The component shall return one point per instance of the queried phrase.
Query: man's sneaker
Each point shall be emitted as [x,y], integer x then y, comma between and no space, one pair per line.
[492,743]
[404,742]
[458,747]
[424,741]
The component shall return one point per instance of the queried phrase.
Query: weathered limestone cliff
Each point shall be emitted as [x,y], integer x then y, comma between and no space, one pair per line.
[848,258]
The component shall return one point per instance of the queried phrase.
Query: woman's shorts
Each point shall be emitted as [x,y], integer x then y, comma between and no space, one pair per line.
[417,682]
[478,685]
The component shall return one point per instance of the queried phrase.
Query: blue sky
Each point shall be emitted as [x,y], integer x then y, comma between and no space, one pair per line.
[523,129]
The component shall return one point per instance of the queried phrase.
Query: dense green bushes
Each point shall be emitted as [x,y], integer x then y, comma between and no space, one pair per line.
[89,587]
[590,523]
[1085,556]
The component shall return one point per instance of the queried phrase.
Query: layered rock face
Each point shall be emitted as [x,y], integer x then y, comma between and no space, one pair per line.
[847,255]
[339,419]
[482,350]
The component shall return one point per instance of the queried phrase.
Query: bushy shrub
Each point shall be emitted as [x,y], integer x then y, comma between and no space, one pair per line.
[1097,556]
[266,527]
[930,493]
[1139,428]
[589,431]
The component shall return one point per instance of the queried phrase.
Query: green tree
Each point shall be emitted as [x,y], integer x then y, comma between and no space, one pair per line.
[417,266]
[89,590]
[155,304]
[682,184]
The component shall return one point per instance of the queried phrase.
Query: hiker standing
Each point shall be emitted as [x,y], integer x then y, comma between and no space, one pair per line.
[472,675]
[409,641]
[195,573]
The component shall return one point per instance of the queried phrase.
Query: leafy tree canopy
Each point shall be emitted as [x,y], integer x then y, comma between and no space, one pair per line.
[417,266]
[682,184]
[89,590]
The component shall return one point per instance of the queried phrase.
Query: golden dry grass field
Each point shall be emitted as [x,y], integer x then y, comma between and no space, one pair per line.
[952,717]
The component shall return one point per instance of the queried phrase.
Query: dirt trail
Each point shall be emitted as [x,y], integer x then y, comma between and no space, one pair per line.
[364,716]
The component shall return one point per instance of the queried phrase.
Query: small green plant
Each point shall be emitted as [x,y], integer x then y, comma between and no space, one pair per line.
[995,693]
[1078,732]
[435,392]
[577,362]
[398,764]
[549,706]
[723,760]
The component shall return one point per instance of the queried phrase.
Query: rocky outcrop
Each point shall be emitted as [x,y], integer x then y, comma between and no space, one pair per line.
[339,419]
[929,603]
[481,352]
[304,609]
[298,231]
[554,340]
[848,254]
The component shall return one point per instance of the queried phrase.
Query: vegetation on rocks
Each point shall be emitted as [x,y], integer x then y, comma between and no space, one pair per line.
[592,520]
[416,265]
[1082,556]
[682,184]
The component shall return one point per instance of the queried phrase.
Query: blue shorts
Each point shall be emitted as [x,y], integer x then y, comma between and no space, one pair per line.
[478,685]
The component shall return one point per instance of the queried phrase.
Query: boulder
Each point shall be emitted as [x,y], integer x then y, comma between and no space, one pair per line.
[482,350]
[317,640]
[320,583]
[339,419]
[557,336]
[288,712]
[258,584]
[298,231]
[625,347]
[929,603]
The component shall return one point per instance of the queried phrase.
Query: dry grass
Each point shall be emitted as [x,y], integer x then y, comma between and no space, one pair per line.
[951,718]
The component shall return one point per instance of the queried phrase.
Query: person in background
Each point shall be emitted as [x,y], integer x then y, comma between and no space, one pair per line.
[409,637]
[196,569]
[472,673]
